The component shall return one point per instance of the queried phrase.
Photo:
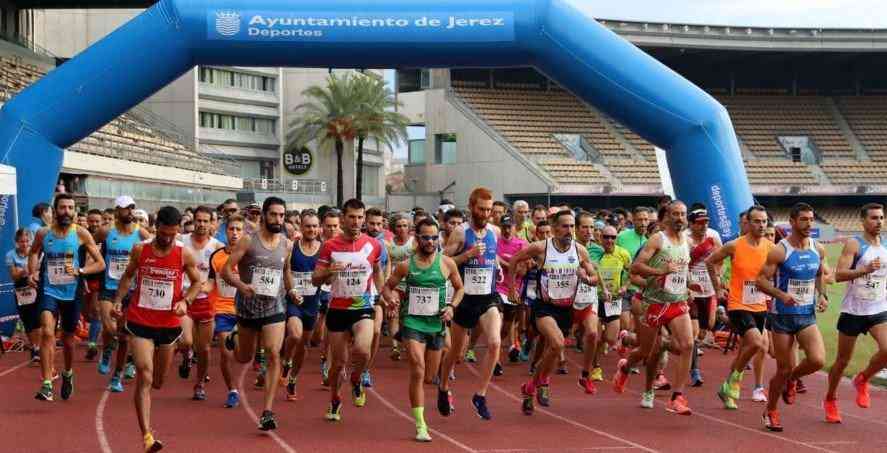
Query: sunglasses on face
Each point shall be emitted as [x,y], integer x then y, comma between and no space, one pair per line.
[609,237]
[427,238]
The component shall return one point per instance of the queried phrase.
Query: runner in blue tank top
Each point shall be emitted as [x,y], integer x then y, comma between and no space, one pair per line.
[797,264]
[58,244]
[473,248]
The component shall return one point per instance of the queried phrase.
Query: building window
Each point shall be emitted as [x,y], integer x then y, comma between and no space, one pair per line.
[223,78]
[371,180]
[445,148]
[262,126]
[417,152]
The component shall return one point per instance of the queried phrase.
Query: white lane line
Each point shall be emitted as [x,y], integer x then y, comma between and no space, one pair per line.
[100,423]
[21,365]
[403,415]
[244,400]
[565,419]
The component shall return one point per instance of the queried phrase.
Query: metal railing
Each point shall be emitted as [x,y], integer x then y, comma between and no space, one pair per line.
[286,185]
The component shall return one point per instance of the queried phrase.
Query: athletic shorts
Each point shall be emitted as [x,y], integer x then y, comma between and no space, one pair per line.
[854,325]
[30,316]
[510,310]
[470,310]
[344,320]
[700,309]
[743,320]
[660,315]
[563,316]
[108,295]
[297,311]
[257,323]
[602,313]
[790,324]
[579,316]
[68,310]
[161,336]
[225,323]
[201,311]
[432,341]
[92,285]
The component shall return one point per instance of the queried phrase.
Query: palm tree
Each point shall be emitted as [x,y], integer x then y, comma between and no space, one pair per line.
[326,117]
[376,118]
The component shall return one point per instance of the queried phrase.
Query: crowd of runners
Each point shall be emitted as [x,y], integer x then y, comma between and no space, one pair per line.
[266,285]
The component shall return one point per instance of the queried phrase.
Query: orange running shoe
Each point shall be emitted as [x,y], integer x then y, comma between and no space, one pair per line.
[832,415]
[790,391]
[863,399]
[771,421]
[621,376]
[679,406]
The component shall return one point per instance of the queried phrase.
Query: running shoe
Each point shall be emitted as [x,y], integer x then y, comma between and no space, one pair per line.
[597,374]
[45,392]
[527,405]
[67,384]
[525,351]
[152,445]
[832,415]
[678,406]
[367,379]
[422,434]
[533,370]
[445,403]
[267,422]
[199,393]
[358,395]
[291,389]
[648,399]
[587,385]
[334,412]
[634,370]
[620,341]
[562,368]
[661,382]
[116,384]
[395,354]
[285,371]
[185,366]
[543,395]
[734,384]
[863,399]
[105,361]
[621,376]
[324,373]
[759,395]
[129,371]
[801,388]
[92,351]
[514,355]
[233,399]
[724,395]
[498,370]
[260,381]
[470,356]
[35,355]
[771,421]
[790,391]
[480,405]
[696,378]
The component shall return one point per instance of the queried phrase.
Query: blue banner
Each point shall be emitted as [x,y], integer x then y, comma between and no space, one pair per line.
[329,26]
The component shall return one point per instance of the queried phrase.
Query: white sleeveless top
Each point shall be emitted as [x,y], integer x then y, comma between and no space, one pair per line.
[559,279]
[867,295]
[202,256]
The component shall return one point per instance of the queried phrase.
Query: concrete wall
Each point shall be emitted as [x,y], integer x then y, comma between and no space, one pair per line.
[481,161]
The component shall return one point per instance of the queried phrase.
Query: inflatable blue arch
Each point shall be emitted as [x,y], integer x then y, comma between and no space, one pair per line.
[554,36]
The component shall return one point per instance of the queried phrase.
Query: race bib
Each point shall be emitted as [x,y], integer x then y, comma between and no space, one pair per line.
[562,286]
[25,296]
[478,280]
[424,301]
[350,283]
[155,294]
[266,281]
[613,308]
[676,283]
[450,291]
[751,295]
[117,266]
[302,282]
[700,277]
[532,292]
[55,267]
[803,291]
[871,288]
[225,290]
[585,296]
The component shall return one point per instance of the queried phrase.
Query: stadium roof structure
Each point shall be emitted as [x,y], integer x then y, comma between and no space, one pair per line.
[724,37]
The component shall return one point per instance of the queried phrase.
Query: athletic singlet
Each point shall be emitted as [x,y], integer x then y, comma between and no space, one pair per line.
[400,253]
[222,295]
[866,295]
[479,274]
[558,279]
[698,270]
[506,249]
[352,287]
[425,297]
[302,267]
[747,262]
[158,288]
[797,276]
[117,250]
[262,269]
[24,293]
[670,288]
[57,252]
[202,258]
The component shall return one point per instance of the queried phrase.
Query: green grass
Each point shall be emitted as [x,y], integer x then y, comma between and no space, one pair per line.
[828,321]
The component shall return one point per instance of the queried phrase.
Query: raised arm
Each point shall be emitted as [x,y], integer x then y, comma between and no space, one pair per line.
[34,257]
[640,266]
[98,261]
[845,261]
[127,278]
[764,281]
[228,273]
[533,250]
[713,264]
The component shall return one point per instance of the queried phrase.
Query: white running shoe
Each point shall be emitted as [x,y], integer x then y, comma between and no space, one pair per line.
[759,395]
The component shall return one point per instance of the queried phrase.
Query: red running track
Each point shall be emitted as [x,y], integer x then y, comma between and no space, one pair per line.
[97,421]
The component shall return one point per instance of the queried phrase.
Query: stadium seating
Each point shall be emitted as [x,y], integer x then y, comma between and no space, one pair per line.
[123,138]
[867,116]
[845,219]
[778,171]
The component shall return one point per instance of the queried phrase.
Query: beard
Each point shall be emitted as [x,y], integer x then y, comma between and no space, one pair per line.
[64,220]
[126,220]
[274,227]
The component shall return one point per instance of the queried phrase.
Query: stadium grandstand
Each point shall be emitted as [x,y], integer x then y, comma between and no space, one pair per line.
[808,107]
